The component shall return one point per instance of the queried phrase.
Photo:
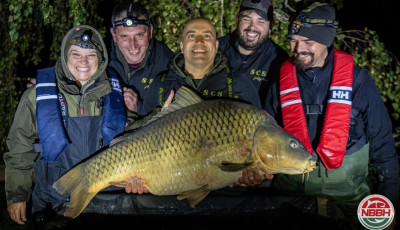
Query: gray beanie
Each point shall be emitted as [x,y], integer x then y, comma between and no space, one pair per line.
[316,22]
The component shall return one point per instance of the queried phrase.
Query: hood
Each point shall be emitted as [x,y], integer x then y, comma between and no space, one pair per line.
[95,40]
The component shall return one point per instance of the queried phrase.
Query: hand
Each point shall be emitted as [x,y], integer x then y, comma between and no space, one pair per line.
[135,185]
[251,177]
[130,99]
[18,212]
[31,82]
[169,100]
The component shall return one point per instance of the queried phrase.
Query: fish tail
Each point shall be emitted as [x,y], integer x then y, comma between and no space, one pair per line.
[73,183]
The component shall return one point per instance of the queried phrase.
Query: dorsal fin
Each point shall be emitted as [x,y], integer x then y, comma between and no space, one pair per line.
[184,97]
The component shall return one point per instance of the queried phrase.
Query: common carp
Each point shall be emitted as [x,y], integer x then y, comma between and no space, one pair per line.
[189,149]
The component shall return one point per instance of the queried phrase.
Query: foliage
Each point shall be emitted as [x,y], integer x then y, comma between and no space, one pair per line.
[31,32]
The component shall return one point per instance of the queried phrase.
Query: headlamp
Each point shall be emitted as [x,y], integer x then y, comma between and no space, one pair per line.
[302,20]
[131,22]
[85,41]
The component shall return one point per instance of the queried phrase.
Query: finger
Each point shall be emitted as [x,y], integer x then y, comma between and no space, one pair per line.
[169,99]
[140,186]
[128,187]
[245,177]
[23,213]
[134,185]
[145,190]
[269,176]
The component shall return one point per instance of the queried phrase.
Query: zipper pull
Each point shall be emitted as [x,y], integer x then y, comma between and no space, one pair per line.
[81,111]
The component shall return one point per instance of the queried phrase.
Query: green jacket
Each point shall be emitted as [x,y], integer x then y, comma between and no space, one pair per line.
[20,160]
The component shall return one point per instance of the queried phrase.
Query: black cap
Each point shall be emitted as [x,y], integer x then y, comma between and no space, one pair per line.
[316,22]
[261,7]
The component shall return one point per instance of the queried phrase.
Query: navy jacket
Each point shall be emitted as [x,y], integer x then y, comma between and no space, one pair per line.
[260,68]
[141,80]
[369,122]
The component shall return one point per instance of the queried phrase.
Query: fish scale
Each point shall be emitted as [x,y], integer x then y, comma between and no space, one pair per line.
[189,151]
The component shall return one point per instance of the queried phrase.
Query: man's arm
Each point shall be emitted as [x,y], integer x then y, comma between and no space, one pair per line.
[382,146]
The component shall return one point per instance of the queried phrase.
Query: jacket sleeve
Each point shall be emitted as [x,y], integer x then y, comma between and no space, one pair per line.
[20,160]
[383,154]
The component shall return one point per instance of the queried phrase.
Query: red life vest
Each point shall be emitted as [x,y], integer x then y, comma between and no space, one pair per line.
[335,130]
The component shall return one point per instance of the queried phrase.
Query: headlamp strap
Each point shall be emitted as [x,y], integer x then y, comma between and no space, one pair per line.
[302,19]
[130,20]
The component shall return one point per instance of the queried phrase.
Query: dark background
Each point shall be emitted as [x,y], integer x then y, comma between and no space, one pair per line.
[381,16]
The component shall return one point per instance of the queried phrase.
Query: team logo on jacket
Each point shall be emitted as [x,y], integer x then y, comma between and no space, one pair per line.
[115,85]
[375,212]
[340,94]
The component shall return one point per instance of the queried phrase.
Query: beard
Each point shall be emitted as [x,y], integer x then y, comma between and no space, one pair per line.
[302,64]
[250,45]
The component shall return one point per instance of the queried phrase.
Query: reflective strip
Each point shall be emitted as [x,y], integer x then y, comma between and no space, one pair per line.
[46,97]
[291,103]
[340,101]
[289,90]
[341,88]
[46,85]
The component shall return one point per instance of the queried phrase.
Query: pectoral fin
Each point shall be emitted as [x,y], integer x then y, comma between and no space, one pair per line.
[121,184]
[195,196]
[234,167]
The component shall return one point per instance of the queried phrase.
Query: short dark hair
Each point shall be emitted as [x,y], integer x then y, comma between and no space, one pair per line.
[120,11]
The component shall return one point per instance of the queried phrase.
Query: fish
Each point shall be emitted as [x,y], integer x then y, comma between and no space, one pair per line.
[190,148]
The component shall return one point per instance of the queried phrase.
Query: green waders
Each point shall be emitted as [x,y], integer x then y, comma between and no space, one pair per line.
[346,186]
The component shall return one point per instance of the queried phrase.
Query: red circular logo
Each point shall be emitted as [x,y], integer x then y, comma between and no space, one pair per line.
[375,212]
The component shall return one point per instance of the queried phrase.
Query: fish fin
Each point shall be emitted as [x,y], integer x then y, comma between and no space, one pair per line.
[121,184]
[234,167]
[72,183]
[184,97]
[195,196]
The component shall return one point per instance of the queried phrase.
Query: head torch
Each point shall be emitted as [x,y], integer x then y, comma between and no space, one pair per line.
[85,41]
[131,22]
[303,21]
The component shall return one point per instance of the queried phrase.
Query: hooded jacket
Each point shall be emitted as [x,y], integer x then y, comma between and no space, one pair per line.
[82,103]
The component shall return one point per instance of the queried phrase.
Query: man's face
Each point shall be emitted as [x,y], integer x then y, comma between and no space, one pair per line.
[132,41]
[252,30]
[82,63]
[307,53]
[199,43]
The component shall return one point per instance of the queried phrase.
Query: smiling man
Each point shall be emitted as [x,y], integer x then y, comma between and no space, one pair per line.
[202,67]
[334,108]
[137,57]
[249,48]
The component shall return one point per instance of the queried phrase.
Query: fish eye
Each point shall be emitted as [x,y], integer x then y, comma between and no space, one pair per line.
[293,144]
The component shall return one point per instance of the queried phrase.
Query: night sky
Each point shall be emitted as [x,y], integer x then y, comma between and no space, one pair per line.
[382,16]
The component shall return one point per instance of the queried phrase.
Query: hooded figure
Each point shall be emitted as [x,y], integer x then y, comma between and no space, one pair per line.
[76,109]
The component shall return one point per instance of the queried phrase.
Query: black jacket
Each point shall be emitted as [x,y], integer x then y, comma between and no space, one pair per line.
[219,82]
[260,68]
[142,79]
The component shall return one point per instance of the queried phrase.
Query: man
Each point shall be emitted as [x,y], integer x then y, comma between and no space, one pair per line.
[250,51]
[205,69]
[334,108]
[137,57]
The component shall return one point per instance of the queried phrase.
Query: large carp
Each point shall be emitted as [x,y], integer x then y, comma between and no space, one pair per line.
[191,148]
